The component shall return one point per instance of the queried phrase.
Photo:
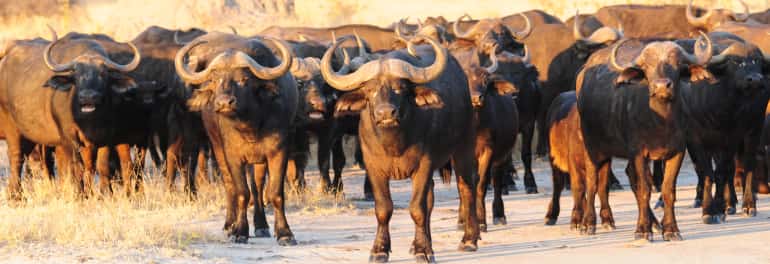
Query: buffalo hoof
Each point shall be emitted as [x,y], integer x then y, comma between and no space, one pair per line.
[499,221]
[468,246]
[609,226]
[659,204]
[712,219]
[287,241]
[574,227]
[550,221]
[239,239]
[369,197]
[531,190]
[588,230]
[763,188]
[505,191]
[657,228]
[749,212]
[512,188]
[643,236]
[261,232]
[730,210]
[483,228]
[616,186]
[697,204]
[380,257]
[672,236]
[422,258]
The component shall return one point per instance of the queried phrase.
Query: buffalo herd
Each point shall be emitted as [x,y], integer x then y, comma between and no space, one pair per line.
[648,84]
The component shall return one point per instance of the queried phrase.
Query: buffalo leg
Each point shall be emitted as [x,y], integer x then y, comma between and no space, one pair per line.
[498,208]
[338,163]
[383,208]
[103,169]
[670,227]
[608,221]
[462,162]
[526,157]
[124,154]
[483,160]
[172,162]
[261,228]
[632,179]
[418,208]
[749,204]
[643,183]
[588,226]
[239,232]
[554,207]
[88,156]
[324,150]
[276,166]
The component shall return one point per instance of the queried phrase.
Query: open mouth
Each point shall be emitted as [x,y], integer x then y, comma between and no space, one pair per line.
[316,115]
[87,108]
[388,123]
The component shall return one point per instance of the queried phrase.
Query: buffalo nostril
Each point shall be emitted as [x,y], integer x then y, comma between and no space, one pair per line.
[386,112]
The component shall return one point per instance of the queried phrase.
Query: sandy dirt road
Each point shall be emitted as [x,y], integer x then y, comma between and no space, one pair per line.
[345,235]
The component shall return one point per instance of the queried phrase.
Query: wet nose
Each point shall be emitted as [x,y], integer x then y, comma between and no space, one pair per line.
[317,104]
[386,111]
[663,84]
[224,103]
[754,79]
[477,100]
[89,96]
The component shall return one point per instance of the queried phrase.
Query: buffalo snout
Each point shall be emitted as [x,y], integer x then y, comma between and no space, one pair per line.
[224,103]
[386,115]
[754,80]
[477,100]
[662,89]
[89,99]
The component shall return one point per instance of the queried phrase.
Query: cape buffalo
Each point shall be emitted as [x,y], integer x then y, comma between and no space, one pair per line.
[76,78]
[415,116]
[635,111]
[558,52]
[247,100]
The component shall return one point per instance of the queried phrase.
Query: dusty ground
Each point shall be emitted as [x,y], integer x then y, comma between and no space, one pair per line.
[343,233]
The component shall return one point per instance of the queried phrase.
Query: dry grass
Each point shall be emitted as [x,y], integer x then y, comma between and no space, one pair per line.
[156,218]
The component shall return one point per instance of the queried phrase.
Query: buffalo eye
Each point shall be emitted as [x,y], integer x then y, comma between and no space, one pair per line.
[60,82]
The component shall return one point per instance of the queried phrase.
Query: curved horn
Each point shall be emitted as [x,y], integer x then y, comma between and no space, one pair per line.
[232,28]
[347,82]
[722,56]
[304,68]
[493,59]
[361,46]
[697,21]
[128,67]
[409,44]
[181,68]
[456,27]
[176,39]
[576,26]
[263,72]
[742,17]
[53,66]
[419,75]
[519,35]
[614,57]
[702,56]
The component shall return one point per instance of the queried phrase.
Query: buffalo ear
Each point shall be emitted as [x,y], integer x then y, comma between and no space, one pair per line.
[426,97]
[198,100]
[60,82]
[350,104]
[629,75]
[699,73]
[503,87]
